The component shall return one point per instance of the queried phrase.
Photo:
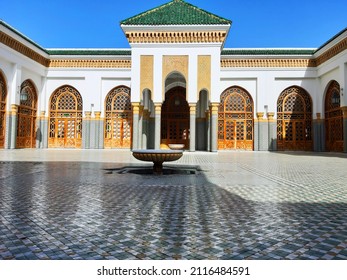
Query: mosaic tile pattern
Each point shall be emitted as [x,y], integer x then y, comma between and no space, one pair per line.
[236,206]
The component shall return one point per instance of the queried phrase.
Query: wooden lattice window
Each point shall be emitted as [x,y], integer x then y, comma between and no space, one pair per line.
[294,120]
[118,122]
[333,118]
[26,133]
[235,120]
[65,123]
[3,95]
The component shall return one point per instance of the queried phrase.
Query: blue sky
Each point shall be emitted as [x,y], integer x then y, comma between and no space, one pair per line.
[256,24]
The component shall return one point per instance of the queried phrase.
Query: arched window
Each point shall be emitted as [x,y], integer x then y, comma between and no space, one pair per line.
[333,118]
[235,120]
[118,122]
[294,120]
[65,118]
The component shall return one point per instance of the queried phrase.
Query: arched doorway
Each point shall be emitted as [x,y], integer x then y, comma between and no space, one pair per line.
[294,120]
[118,122]
[175,118]
[65,118]
[3,96]
[27,109]
[235,120]
[333,119]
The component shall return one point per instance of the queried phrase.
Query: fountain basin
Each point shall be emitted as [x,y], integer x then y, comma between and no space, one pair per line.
[158,157]
[176,146]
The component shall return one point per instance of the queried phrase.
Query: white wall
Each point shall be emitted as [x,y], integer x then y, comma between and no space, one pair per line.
[93,84]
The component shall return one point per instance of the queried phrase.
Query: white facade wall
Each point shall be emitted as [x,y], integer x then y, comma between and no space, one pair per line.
[92,84]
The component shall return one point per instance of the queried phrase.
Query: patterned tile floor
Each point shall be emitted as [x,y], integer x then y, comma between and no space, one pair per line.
[58,204]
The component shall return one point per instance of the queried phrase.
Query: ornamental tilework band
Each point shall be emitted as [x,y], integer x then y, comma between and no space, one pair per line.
[288,63]
[89,63]
[176,37]
[330,53]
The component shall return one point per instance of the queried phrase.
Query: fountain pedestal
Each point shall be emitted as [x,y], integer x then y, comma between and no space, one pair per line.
[158,157]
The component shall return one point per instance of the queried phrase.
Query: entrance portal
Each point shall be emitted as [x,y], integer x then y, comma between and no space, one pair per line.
[175,118]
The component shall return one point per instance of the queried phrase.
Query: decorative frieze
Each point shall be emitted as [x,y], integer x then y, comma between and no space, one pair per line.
[23,49]
[275,63]
[330,53]
[89,63]
[176,37]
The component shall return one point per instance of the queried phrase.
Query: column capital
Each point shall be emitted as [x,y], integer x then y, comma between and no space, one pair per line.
[270,116]
[214,108]
[192,108]
[14,109]
[158,106]
[88,115]
[42,115]
[136,107]
[260,115]
[97,115]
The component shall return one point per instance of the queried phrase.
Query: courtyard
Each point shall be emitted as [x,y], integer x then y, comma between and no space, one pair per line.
[103,204]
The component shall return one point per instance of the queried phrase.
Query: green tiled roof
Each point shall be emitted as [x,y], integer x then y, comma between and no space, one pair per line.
[96,52]
[268,51]
[176,12]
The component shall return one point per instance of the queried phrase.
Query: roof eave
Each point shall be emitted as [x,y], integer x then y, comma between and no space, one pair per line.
[192,27]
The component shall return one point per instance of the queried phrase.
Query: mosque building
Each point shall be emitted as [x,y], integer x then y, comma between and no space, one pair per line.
[176,84]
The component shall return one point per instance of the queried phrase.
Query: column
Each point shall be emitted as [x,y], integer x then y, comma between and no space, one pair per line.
[263,133]
[157,126]
[192,132]
[344,112]
[99,131]
[208,130]
[136,112]
[140,143]
[318,136]
[214,127]
[11,127]
[42,131]
[145,129]
[272,128]
[86,130]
